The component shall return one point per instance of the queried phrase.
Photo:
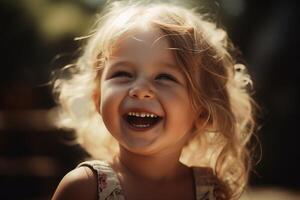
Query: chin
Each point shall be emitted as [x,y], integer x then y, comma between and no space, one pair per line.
[141,147]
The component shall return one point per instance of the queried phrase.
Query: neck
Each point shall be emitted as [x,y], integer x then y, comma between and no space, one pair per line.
[160,167]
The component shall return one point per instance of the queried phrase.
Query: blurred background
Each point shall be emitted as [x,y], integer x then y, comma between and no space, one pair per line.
[37,36]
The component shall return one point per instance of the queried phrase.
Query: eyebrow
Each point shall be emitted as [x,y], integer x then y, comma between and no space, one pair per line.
[129,63]
[169,65]
[120,63]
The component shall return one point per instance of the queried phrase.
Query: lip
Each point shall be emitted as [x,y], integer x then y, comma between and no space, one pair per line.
[141,110]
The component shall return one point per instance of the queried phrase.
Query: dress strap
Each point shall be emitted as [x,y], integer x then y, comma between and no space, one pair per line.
[205,182]
[208,185]
[109,187]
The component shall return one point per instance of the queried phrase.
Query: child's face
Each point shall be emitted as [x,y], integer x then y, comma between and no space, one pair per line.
[144,97]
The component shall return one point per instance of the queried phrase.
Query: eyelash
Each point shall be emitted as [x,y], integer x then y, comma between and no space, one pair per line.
[121,74]
[167,76]
[160,76]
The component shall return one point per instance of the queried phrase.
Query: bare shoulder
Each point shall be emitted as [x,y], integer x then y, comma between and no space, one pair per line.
[80,183]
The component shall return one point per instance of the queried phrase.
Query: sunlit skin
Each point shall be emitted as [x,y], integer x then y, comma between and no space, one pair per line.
[142,74]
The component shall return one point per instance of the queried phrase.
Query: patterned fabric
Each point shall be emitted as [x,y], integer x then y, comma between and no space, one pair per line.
[109,187]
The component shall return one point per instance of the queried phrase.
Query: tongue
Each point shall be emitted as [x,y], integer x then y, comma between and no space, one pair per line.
[141,121]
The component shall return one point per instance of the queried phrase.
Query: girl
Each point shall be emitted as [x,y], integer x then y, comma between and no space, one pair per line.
[158,97]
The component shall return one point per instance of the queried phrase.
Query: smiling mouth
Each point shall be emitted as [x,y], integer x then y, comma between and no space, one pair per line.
[142,121]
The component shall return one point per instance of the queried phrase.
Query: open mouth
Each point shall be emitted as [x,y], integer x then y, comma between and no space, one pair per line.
[141,120]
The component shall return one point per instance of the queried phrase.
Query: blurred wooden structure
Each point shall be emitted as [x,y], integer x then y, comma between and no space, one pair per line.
[33,155]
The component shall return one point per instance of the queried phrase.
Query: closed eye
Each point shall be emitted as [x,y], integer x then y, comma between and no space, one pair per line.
[166,77]
[121,74]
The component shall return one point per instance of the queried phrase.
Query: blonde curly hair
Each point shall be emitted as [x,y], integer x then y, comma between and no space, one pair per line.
[217,84]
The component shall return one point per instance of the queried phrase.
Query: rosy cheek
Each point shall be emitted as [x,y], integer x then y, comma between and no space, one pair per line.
[111,97]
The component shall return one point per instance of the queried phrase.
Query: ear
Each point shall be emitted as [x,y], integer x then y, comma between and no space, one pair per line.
[96,100]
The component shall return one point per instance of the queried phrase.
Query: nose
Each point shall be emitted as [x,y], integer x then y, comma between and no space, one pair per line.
[141,90]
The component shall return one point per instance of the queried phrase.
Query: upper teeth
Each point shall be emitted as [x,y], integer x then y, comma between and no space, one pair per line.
[142,114]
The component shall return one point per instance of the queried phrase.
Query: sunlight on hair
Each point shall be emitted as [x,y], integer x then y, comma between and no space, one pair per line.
[217,84]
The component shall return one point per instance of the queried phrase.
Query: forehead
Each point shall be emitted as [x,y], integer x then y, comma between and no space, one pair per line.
[143,44]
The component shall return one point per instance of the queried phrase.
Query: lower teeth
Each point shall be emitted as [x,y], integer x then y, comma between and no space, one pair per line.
[141,125]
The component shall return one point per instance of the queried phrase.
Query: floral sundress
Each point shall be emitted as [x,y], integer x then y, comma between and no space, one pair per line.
[109,187]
